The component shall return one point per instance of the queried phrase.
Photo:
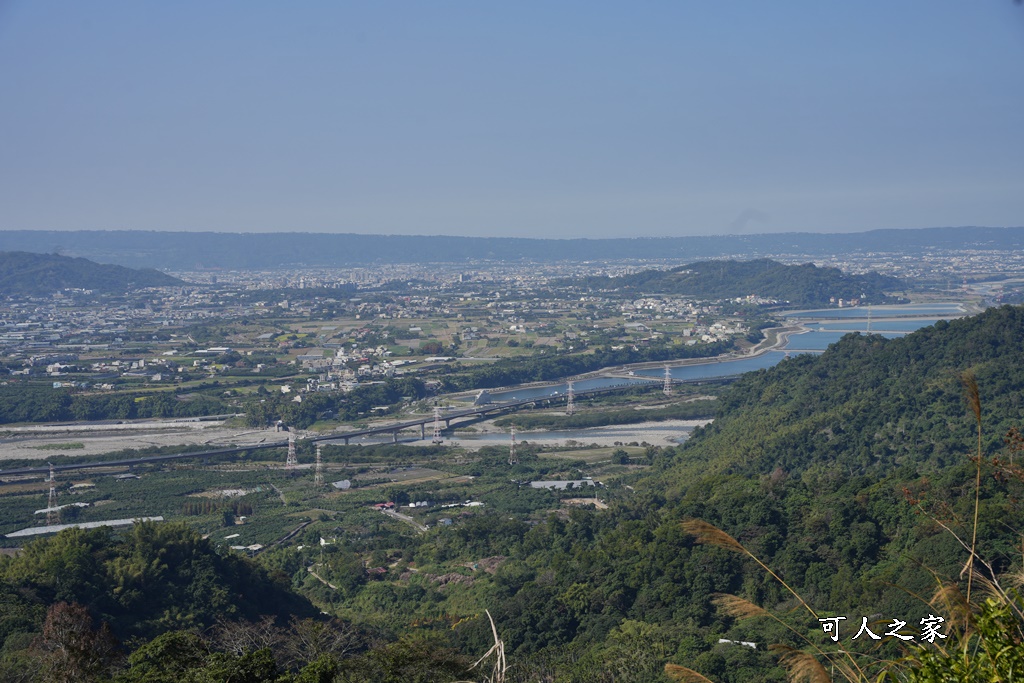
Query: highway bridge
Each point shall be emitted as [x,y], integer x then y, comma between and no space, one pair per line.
[394,429]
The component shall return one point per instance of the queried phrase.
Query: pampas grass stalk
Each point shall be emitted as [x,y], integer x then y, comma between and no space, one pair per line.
[498,650]
[709,534]
[973,396]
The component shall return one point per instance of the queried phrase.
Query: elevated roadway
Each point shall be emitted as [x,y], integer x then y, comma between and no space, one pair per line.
[394,429]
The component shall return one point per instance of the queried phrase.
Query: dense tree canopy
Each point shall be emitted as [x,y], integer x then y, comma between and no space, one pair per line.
[154,578]
[35,403]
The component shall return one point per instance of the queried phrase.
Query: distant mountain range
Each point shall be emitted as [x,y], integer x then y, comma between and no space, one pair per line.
[195,250]
[23,273]
[802,285]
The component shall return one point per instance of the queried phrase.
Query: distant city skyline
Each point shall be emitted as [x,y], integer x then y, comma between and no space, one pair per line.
[560,120]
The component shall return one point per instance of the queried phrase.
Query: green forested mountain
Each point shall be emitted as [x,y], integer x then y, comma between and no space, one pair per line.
[840,471]
[804,285]
[847,473]
[25,273]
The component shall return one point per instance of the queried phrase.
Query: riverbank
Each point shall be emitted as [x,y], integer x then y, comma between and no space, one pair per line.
[42,442]
[666,433]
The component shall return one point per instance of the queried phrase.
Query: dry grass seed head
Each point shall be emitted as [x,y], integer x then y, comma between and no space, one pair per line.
[709,534]
[950,600]
[800,665]
[991,588]
[681,673]
[971,393]
[1016,578]
[737,607]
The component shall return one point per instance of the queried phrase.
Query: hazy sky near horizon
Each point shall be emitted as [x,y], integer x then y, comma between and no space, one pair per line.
[530,119]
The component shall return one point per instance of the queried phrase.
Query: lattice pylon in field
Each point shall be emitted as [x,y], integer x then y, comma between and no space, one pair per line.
[318,473]
[513,459]
[438,439]
[52,511]
[668,381]
[570,404]
[293,459]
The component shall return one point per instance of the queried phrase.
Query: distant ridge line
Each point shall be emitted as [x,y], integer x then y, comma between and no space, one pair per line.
[193,250]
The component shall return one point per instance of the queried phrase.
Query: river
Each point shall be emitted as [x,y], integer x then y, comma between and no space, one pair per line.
[820,331]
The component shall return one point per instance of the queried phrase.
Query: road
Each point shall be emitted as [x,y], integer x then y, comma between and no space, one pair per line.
[405,518]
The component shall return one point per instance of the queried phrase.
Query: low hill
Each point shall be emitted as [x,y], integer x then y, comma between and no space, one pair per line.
[151,579]
[802,285]
[27,274]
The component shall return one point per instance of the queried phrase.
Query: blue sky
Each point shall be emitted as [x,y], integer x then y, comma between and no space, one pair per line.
[532,119]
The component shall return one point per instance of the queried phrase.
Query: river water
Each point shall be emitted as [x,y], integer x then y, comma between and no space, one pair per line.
[888,321]
[909,317]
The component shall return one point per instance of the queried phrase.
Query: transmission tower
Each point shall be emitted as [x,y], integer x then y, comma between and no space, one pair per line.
[318,473]
[668,381]
[437,425]
[570,406]
[292,460]
[513,459]
[52,511]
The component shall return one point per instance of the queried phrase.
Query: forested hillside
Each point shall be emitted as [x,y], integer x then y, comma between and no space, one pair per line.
[849,474]
[839,471]
[26,273]
[804,285]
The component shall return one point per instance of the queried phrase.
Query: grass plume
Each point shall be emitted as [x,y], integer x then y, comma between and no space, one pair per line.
[737,607]
[709,534]
[681,673]
[801,666]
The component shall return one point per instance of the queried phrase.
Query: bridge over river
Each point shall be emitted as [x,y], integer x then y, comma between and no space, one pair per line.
[394,428]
